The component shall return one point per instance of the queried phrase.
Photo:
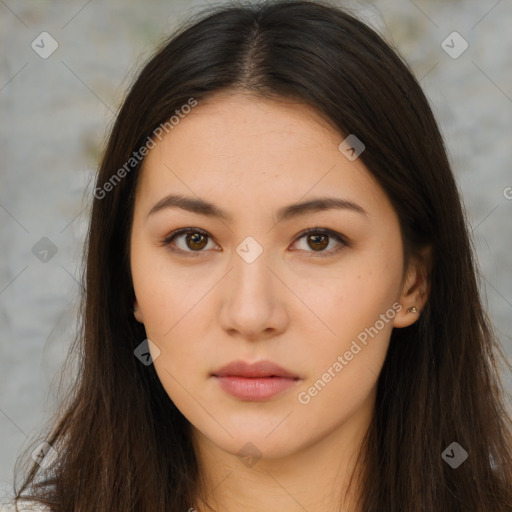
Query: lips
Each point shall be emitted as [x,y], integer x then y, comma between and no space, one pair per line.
[259,369]
[254,382]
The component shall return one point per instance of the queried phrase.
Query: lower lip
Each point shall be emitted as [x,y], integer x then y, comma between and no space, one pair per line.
[255,389]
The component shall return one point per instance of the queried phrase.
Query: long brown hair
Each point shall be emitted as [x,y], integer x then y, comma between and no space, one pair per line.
[122,444]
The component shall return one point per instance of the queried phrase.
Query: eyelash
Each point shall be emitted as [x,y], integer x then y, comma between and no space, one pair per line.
[319,231]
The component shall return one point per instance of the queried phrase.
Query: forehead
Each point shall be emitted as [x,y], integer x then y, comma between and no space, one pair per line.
[257,151]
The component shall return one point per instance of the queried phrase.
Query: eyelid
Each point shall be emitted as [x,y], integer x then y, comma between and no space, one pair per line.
[341,239]
[183,231]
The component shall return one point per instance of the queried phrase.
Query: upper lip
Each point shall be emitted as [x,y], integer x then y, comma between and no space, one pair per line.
[258,369]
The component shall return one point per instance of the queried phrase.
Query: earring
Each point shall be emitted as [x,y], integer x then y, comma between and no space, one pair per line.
[412,309]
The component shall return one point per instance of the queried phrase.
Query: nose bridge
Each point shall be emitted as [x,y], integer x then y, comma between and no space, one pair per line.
[251,274]
[250,302]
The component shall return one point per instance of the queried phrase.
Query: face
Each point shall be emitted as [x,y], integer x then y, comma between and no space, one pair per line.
[310,292]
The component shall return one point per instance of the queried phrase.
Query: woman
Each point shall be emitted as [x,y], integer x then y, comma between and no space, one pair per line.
[281,308]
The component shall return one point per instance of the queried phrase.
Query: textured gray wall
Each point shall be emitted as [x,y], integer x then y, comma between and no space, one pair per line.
[56,111]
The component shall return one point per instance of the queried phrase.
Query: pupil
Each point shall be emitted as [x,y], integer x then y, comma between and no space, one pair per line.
[316,239]
[195,238]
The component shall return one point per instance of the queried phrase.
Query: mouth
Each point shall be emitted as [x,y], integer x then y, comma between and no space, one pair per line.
[254,382]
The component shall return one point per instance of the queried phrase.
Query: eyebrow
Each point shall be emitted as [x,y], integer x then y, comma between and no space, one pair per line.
[202,207]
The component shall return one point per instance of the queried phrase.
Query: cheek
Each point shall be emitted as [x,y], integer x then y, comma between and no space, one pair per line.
[343,369]
[348,347]
[166,294]
[351,296]
[172,301]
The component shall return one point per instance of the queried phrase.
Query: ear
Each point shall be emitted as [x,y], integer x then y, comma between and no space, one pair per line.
[137,312]
[415,288]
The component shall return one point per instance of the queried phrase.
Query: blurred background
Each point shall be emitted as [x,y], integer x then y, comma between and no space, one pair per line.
[65,67]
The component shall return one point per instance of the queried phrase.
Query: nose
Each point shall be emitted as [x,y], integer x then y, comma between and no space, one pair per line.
[253,300]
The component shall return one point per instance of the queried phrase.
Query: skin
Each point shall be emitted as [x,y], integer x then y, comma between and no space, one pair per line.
[296,306]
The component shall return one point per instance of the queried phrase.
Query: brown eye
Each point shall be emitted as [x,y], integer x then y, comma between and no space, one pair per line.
[318,242]
[196,241]
[318,239]
[188,240]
